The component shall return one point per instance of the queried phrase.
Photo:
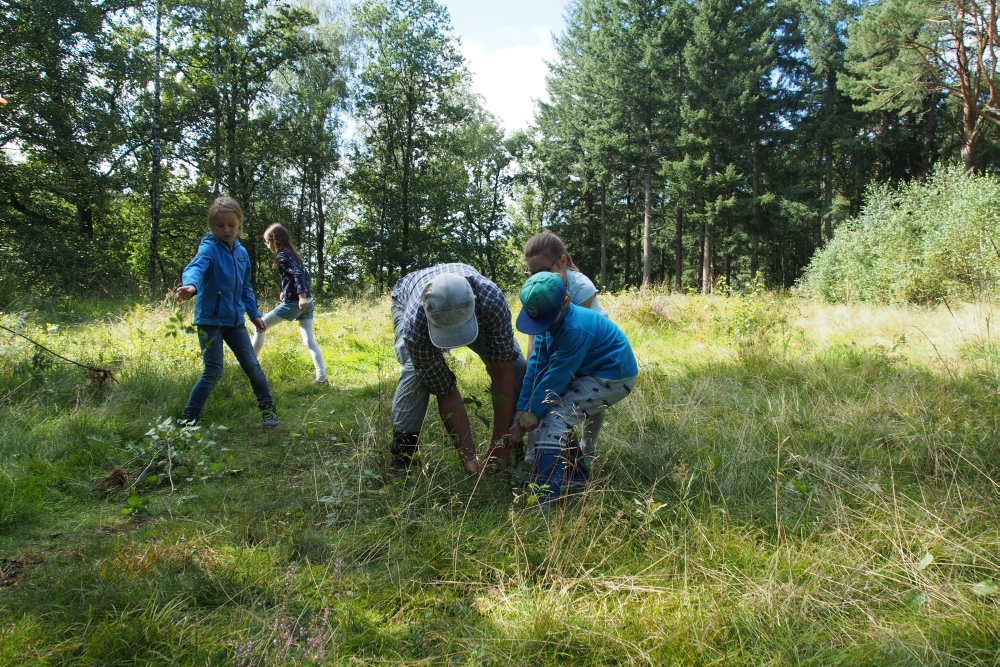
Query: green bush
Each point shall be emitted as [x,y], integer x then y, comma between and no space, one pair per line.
[185,452]
[919,242]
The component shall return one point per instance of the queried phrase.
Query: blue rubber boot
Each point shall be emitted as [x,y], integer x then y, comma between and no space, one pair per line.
[550,472]
[577,474]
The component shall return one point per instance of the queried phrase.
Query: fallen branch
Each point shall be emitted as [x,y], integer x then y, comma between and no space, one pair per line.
[98,375]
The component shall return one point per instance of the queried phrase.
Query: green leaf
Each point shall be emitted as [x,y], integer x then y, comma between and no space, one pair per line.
[134,505]
[925,561]
[986,588]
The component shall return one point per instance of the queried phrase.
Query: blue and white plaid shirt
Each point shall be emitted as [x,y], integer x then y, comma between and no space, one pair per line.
[496,335]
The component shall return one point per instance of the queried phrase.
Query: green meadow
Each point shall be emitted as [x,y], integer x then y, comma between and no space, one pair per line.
[790,484]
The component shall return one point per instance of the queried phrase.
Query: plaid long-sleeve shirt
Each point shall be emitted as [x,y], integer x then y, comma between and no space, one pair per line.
[294,276]
[496,335]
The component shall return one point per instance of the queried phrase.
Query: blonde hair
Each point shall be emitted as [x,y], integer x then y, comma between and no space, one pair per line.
[548,245]
[225,205]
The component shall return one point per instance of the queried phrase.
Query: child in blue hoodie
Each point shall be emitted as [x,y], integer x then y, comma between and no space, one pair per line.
[581,365]
[219,279]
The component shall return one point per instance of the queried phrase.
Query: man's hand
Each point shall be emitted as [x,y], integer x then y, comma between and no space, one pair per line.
[456,422]
[499,453]
[259,323]
[185,292]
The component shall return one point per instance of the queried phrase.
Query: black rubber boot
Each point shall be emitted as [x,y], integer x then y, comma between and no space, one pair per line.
[403,447]
[187,419]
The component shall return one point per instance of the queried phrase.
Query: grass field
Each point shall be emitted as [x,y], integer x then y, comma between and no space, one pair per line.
[790,484]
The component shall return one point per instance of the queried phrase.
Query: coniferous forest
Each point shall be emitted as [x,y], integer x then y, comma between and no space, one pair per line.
[690,143]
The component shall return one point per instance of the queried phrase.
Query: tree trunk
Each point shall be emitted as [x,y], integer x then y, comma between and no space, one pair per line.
[727,260]
[828,192]
[232,184]
[929,133]
[604,239]
[679,244]
[970,77]
[970,135]
[154,227]
[638,251]
[405,187]
[706,247]
[628,231]
[496,219]
[320,237]
[754,210]
[831,91]
[647,224]
[701,258]
[85,211]
[300,217]
[217,137]
[706,262]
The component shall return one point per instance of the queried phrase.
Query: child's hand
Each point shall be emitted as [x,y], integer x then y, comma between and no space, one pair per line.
[516,433]
[303,301]
[185,292]
[259,323]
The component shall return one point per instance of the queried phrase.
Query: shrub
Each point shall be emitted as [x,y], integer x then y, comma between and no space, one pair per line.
[171,452]
[755,320]
[916,243]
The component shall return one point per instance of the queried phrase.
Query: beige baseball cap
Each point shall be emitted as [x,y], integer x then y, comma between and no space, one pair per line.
[450,305]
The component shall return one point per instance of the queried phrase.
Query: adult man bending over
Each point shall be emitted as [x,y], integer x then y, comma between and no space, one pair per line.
[439,308]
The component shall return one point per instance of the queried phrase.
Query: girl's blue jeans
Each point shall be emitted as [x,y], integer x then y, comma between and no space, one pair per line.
[211,339]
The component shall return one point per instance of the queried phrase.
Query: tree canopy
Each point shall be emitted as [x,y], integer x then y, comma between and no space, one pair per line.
[684,142]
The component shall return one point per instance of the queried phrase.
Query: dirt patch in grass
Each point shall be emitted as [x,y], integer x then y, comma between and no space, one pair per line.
[124,527]
[10,571]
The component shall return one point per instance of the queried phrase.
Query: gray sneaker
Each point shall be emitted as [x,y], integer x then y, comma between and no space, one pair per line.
[269,417]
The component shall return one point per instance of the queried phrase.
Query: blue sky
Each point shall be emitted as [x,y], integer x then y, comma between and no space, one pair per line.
[506,44]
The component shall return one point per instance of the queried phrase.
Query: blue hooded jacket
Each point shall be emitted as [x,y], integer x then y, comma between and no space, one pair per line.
[222,277]
[582,343]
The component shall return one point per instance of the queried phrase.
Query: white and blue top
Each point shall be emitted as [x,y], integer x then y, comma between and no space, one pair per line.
[582,288]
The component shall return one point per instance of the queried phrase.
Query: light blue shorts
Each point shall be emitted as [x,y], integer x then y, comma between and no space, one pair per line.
[289,310]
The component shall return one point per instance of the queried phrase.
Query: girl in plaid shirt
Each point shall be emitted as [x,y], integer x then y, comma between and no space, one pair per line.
[296,297]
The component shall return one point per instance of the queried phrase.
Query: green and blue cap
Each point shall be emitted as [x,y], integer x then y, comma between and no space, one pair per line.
[542,297]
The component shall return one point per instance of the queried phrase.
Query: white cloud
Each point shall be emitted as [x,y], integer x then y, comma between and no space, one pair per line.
[511,79]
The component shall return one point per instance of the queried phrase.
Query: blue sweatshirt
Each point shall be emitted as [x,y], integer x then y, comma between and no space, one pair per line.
[222,277]
[581,343]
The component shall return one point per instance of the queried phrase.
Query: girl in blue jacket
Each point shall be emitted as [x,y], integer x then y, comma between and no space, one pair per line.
[219,279]
[581,365]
